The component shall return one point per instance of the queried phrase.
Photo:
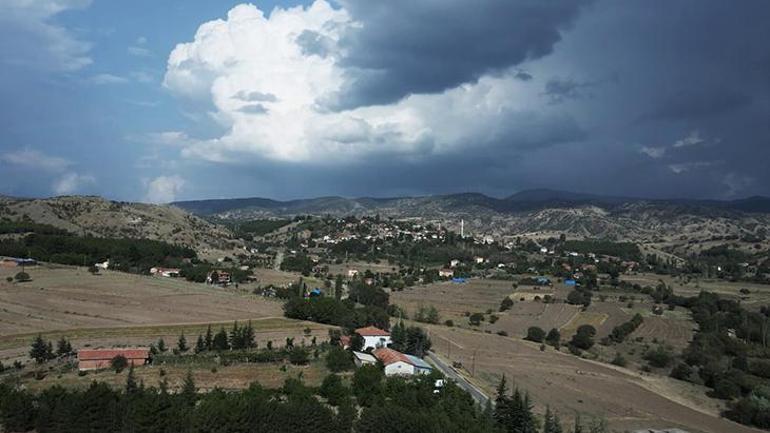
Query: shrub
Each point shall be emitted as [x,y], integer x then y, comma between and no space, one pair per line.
[449,322]
[475,319]
[502,333]
[119,363]
[338,359]
[506,304]
[660,357]
[553,338]
[22,277]
[583,338]
[535,334]
[298,356]
[619,360]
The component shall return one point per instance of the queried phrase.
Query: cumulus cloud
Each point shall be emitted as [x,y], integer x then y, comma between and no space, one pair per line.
[28,36]
[71,182]
[164,189]
[270,80]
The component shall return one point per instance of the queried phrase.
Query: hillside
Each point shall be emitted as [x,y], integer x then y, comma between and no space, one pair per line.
[99,217]
[531,212]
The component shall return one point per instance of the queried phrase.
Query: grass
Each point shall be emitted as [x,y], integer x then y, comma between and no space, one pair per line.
[583,318]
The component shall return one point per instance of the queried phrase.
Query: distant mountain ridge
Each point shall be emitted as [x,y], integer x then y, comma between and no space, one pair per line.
[523,201]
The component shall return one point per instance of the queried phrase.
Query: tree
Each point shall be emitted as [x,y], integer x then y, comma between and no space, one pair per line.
[181,343]
[220,342]
[131,386]
[338,359]
[506,304]
[93,269]
[333,390]
[209,339]
[338,287]
[535,334]
[41,350]
[200,345]
[119,363]
[583,338]
[63,347]
[298,356]
[553,338]
[475,319]
[189,391]
[161,345]
[367,384]
[551,422]
[22,277]
[356,342]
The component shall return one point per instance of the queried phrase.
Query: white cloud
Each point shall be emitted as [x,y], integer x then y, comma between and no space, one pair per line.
[31,158]
[164,189]
[71,182]
[653,152]
[250,53]
[684,167]
[693,139]
[103,79]
[37,41]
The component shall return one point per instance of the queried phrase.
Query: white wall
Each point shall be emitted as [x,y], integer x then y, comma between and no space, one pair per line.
[399,368]
[376,342]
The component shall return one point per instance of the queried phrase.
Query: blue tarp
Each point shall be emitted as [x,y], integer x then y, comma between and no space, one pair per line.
[459,280]
[570,282]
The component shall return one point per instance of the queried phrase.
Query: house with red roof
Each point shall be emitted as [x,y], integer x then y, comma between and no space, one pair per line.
[96,359]
[374,337]
[401,364]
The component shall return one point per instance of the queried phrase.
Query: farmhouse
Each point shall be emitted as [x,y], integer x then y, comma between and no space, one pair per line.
[95,359]
[446,273]
[165,272]
[374,337]
[401,364]
[362,358]
[12,262]
[221,278]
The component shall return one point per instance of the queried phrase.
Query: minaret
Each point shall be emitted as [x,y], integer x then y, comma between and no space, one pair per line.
[462,229]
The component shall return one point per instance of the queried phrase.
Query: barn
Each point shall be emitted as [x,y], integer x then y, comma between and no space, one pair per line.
[95,359]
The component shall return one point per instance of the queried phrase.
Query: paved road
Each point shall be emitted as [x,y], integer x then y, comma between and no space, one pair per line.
[450,372]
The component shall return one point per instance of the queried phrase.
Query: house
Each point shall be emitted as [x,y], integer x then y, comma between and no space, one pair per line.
[479,260]
[103,265]
[446,273]
[454,263]
[374,337]
[95,359]
[352,273]
[221,278]
[363,358]
[165,272]
[12,262]
[401,364]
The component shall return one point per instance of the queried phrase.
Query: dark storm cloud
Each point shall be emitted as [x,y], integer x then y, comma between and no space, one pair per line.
[405,46]
[255,97]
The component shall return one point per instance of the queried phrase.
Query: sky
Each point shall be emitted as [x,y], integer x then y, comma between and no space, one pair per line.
[157,101]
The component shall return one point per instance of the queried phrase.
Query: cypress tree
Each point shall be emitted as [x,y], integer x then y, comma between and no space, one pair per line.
[200,345]
[220,342]
[39,351]
[209,339]
[131,387]
[181,344]
[161,345]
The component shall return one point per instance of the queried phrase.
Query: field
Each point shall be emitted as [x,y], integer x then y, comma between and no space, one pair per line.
[238,376]
[570,384]
[759,294]
[122,309]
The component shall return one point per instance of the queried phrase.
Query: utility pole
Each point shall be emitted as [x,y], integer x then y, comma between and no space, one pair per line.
[473,363]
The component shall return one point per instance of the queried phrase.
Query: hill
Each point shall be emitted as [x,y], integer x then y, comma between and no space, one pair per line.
[95,216]
[532,211]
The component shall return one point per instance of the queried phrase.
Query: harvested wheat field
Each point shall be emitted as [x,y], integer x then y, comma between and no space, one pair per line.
[570,384]
[522,315]
[453,300]
[120,308]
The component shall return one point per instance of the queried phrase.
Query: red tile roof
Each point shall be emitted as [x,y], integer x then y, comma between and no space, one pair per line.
[371,331]
[390,356]
[102,354]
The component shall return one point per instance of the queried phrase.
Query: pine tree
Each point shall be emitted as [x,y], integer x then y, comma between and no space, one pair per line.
[40,351]
[236,340]
[338,287]
[189,391]
[209,339]
[181,344]
[200,344]
[63,347]
[502,413]
[248,336]
[220,341]
[161,345]
[551,422]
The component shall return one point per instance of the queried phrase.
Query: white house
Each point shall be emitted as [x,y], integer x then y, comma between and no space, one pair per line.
[374,338]
[352,273]
[400,364]
[362,358]
[446,273]
[165,272]
[454,263]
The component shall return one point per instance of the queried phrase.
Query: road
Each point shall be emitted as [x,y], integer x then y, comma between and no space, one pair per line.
[278,260]
[448,371]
